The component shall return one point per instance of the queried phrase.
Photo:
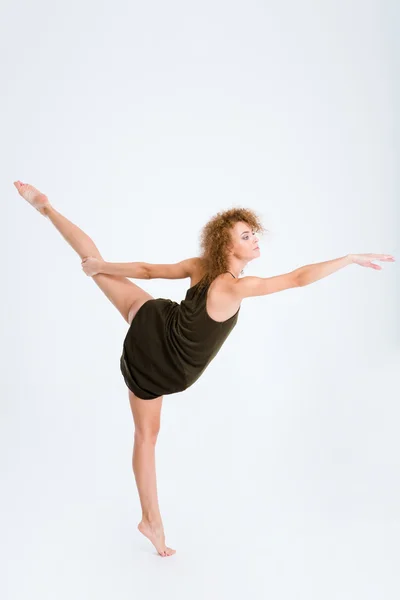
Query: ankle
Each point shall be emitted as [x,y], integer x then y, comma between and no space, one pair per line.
[152,519]
[45,210]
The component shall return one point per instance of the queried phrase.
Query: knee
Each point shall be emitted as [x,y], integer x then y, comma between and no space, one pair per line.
[147,435]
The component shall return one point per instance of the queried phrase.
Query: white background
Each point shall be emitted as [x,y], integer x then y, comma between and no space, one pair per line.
[278,471]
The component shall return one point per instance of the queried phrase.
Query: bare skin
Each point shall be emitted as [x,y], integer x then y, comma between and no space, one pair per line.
[127,297]
[223,300]
[147,426]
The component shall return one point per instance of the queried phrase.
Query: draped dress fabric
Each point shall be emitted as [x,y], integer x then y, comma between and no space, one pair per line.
[169,345]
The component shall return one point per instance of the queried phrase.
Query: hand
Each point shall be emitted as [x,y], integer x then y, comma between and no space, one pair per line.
[92,266]
[365,260]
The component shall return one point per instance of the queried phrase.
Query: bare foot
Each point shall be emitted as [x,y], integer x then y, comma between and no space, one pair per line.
[32,195]
[155,533]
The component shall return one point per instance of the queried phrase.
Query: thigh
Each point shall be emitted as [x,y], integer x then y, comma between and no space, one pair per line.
[126,296]
[146,414]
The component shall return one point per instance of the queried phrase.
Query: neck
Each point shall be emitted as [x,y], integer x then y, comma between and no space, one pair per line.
[236,267]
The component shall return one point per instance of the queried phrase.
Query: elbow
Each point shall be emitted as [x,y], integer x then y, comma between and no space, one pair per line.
[146,272]
[299,280]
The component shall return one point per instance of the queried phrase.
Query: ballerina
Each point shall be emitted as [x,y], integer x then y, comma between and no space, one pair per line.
[169,345]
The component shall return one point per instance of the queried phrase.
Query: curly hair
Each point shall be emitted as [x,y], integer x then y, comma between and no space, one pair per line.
[215,240]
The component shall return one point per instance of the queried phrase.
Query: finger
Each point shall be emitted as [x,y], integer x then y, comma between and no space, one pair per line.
[381,256]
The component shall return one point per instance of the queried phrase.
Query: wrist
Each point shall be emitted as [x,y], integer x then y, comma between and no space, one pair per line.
[349,258]
[104,267]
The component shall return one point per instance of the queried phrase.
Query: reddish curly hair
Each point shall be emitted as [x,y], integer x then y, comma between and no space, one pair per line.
[215,240]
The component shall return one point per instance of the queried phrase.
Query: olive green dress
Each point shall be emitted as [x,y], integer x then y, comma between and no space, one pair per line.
[169,345]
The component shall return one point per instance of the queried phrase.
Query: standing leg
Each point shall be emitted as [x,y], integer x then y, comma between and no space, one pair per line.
[126,296]
[146,417]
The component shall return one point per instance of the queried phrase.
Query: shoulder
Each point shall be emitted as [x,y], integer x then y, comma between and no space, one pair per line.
[222,302]
[246,287]
[197,262]
[196,267]
[224,285]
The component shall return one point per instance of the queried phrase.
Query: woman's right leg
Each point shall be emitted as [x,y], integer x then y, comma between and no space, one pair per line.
[146,416]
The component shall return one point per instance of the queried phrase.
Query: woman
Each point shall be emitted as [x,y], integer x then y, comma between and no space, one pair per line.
[169,345]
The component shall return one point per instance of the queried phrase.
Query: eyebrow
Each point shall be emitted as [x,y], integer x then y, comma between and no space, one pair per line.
[245,232]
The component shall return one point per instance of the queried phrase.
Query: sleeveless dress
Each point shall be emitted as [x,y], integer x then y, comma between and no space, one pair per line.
[169,345]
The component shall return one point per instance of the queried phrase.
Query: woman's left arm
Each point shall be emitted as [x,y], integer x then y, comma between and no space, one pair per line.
[141,270]
[136,270]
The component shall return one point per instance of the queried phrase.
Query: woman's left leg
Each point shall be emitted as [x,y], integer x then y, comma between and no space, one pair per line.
[126,296]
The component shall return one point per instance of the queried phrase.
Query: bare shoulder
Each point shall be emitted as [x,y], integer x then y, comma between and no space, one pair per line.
[222,304]
[251,286]
[196,264]
[196,268]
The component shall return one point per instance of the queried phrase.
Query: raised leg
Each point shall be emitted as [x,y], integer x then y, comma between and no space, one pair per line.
[146,417]
[126,296]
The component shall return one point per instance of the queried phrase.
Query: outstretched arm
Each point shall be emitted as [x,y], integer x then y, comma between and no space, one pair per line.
[93,266]
[140,270]
[310,273]
[261,286]
[134,270]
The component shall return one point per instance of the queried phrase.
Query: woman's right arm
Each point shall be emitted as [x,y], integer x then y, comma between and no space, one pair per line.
[261,286]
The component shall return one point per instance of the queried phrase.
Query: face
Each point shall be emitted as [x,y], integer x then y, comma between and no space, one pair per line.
[244,242]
